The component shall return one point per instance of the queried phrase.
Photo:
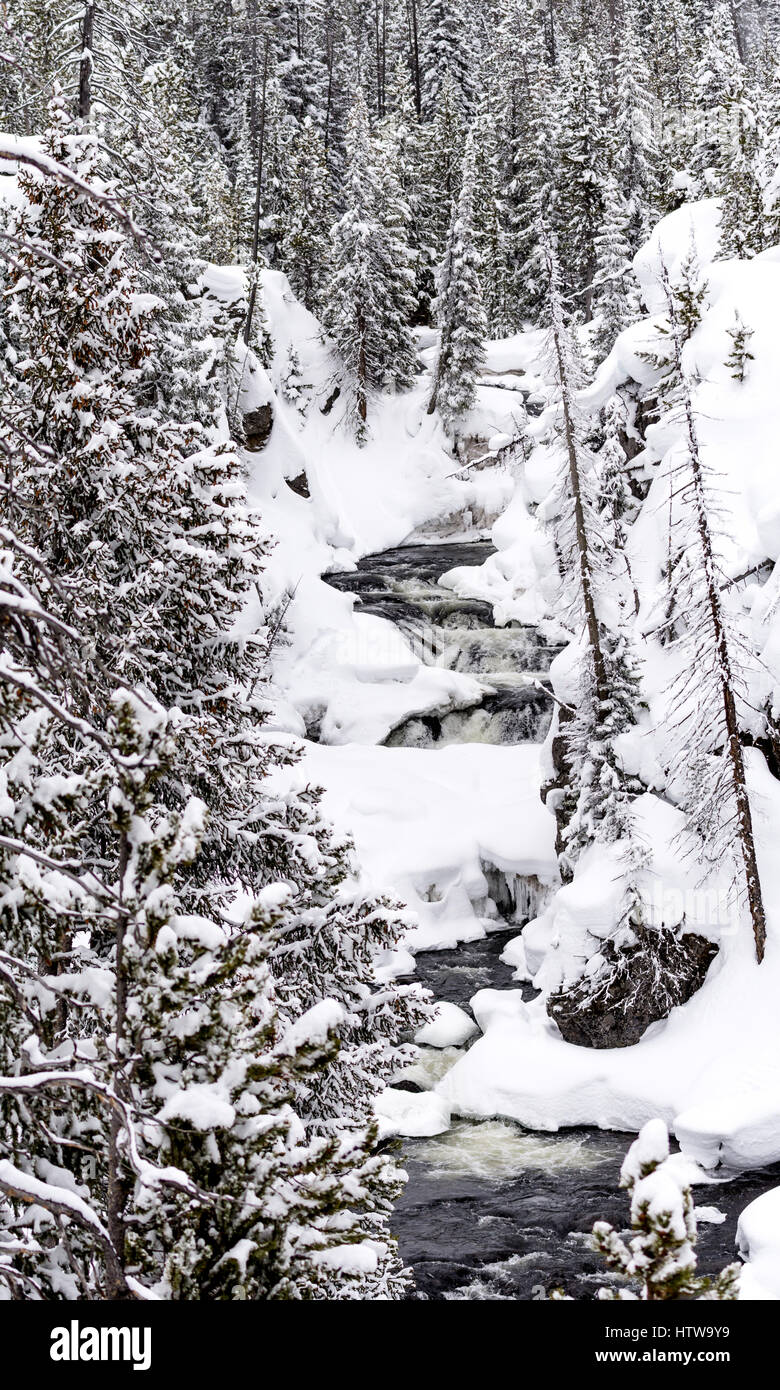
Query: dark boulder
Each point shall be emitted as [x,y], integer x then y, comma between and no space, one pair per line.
[299,485]
[636,985]
[257,427]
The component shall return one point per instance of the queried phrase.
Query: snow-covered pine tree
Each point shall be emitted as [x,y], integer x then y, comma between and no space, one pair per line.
[303,244]
[670,35]
[447,53]
[369,296]
[395,261]
[708,761]
[489,230]
[403,130]
[444,138]
[660,1258]
[154,545]
[459,313]
[530,196]
[616,291]
[740,354]
[636,160]
[769,120]
[582,157]
[351,314]
[743,175]
[149,1145]
[718,78]
[617,505]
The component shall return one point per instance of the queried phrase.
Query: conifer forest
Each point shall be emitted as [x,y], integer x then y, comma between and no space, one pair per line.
[389,655]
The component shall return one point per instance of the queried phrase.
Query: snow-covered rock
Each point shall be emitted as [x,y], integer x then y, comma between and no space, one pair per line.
[413,1114]
[758,1241]
[452,1027]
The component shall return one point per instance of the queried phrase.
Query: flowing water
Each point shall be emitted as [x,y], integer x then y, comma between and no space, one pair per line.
[491,1210]
[459,634]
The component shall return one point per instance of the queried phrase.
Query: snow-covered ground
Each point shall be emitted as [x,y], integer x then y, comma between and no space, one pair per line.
[426,823]
[758,1241]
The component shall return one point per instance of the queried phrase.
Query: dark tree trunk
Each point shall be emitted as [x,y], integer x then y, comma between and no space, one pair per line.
[415,56]
[87,61]
[724,668]
[250,310]
[116,1195]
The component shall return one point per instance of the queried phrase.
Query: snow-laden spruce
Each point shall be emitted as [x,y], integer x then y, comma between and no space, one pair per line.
[219,953]
[660,1256]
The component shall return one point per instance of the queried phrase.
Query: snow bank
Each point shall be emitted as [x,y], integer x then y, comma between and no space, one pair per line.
[416,1115]
[425,823]
[451,1027]
[694,227]
[758,1241]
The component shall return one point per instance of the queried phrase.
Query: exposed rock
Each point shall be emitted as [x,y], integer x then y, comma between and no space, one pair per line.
[257,427]
[300,484]
[331,401]
[636,985]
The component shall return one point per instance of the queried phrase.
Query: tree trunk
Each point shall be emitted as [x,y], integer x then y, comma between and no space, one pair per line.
[87,61]
[415,57]
[116,1196]
[250,309]
[725,674]
[362,379]
[725,677]
[583,548]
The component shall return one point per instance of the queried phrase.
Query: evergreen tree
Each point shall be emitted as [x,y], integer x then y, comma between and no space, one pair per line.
[636,159]
[443,155]
[718,79]
[303,246]
[615,287]
[447,55]
[459,312]
[146,1078]
[395,261]
[674,51]
[582,157]
[146,534]
[743,219]
[489,232]
[531,195]
[405,136]
[660,1258]
[369,299]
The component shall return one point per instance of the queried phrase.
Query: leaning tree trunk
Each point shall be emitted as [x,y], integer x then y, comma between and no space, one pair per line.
[724,667]
[726,682]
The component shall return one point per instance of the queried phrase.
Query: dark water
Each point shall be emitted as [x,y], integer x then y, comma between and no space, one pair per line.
[492,1211]
[516,1233]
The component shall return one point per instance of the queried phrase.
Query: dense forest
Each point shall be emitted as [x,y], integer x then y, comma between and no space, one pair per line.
[194,1033]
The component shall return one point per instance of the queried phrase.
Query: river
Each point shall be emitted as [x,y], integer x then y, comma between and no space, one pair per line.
[492,1210]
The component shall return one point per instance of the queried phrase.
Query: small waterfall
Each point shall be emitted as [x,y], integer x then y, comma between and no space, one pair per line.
[458,634]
